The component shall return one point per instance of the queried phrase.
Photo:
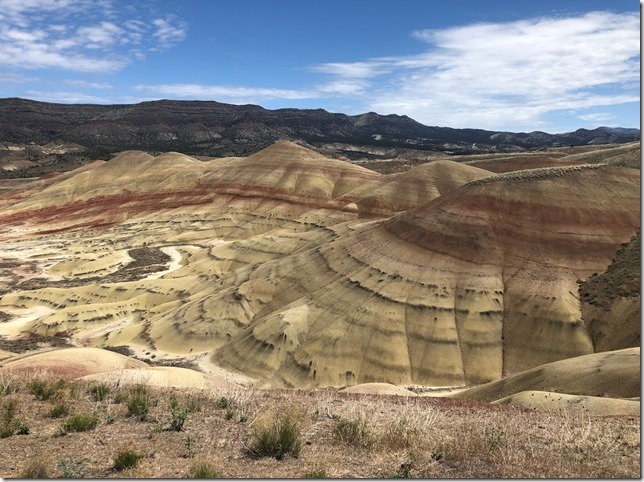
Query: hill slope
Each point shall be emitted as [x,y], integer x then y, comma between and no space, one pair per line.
[293,269]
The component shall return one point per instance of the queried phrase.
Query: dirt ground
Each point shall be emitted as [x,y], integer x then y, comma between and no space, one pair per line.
[340,434]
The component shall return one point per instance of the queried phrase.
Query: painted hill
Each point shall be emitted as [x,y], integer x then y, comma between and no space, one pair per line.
[292,269]
[600,382]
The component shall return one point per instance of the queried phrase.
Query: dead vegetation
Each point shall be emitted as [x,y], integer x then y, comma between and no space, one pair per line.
[296,433]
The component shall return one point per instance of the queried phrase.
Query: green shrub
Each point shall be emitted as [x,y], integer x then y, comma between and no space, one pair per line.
[223,402]
[99,392]
[404,472]
[139,401]
[495,437]
[280,437]
[178,414]
[315,474]
[126,459]
[72,468]
[9,423]
[204,470]
[59,410]
[80,423]
[43,390]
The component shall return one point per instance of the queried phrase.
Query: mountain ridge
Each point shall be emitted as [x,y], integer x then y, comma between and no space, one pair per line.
[217,129]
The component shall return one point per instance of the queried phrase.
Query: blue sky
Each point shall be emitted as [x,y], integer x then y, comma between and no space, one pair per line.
[501,65]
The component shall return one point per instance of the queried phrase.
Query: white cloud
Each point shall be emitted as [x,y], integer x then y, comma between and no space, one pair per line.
[88,85]
[67,97]
[597,117]
[169,31]
[507,75]
[80,35]
[233,94]
[100,36]
[359,70]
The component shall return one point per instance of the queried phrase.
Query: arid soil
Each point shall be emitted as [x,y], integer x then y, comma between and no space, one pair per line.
[340,435]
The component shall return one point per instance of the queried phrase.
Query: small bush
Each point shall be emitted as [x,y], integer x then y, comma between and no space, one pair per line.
[495,437]
[99,392]
[204,470]
[315,474]
[178,414]
[139,401]
[80,423]
[189,444]
[9,423]
[35,470]
[280,437]
[41,389]
[223,402]
[72,468]
[59,410]
[404,472]
[352,432]
[126,459]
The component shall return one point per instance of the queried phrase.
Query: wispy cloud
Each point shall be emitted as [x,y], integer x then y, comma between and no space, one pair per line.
[234,94]
[169,31]
[67,97]
[79,35]
[508,74]
[88,85]
[597,117]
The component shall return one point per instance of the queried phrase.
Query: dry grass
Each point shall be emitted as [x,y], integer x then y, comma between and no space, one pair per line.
[540,173]
[394,437]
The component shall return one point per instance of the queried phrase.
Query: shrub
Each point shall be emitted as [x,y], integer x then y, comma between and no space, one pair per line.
[178,414]
[35,470]
[223,402]
[59,410]
[204,470]
[9,423]
[80,423]
[72,468]
[99,392]
[43,390]
[404,472]
[352,432]
[315,474]
[277,438]
[126,459]
[139,401]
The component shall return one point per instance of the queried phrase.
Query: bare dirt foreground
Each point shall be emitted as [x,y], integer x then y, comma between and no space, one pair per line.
[172,433]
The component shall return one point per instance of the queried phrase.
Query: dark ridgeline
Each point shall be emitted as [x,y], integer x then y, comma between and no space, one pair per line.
[218,129]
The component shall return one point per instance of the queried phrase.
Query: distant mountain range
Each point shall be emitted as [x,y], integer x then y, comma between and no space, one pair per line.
[217,129]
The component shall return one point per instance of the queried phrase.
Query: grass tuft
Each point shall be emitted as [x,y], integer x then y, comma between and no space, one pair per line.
[127,459]
[204,470]
[277,437]
[80,423]
[36,469]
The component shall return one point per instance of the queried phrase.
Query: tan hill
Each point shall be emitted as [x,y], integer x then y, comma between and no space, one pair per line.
[265,266]
[610,375]
[475,285]
[419,185]
[626,155]
[562,402]
[70,363]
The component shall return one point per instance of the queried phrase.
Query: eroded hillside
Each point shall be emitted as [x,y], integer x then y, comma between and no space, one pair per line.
[294,270]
